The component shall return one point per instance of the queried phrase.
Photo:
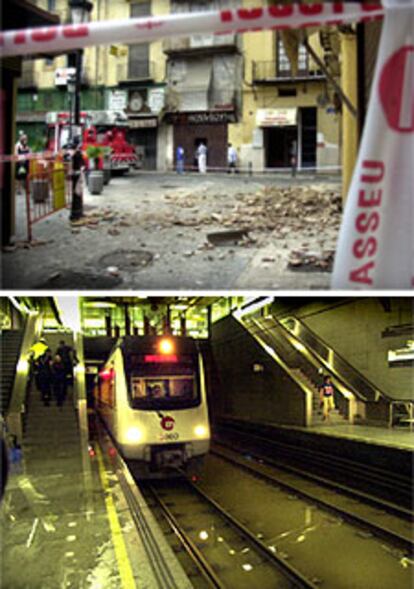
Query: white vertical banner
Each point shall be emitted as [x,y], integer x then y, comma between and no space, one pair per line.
[376,241]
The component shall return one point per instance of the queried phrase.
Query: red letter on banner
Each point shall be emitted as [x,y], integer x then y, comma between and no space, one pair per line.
[338,7]
[226,16]
[310,8]
[370,7]
[250,13]
[280,11]
[44,34]
[79,31]
[362,274]
[377,171]
[19,38]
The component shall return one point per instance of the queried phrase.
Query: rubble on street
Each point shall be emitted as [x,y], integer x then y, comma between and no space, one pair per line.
[277,228]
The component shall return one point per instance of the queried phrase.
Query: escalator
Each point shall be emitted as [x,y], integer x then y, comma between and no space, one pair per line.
[10,346]
[307,358]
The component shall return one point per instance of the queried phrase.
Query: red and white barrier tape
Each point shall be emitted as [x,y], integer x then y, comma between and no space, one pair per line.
[45,155]
[376,240]
[134,30]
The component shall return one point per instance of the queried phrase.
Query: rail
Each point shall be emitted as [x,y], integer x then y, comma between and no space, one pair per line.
[16,411]
[333,361]
[259,466]
[302,358]
[289,571]
[163,566]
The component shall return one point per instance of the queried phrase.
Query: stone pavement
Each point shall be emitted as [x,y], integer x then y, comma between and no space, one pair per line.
[149,231]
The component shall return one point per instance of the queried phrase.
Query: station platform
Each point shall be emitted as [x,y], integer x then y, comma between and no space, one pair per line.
[382,436]
[66,522]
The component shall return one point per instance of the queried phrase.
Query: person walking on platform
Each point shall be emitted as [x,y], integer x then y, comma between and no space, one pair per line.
[59,380]
[326,392]
[44,377]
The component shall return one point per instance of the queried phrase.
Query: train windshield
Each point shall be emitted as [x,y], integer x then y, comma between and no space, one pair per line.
[165,391]
[164,386]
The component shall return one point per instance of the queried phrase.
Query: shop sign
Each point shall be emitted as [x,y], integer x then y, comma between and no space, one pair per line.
[156,99]
[275,117]
[117,99]
[143,123]
[62,74]
[202,118]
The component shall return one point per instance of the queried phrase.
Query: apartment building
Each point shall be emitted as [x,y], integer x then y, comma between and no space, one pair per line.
[248,89]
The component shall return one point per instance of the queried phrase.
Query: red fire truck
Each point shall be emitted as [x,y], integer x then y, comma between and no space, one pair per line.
[103,128]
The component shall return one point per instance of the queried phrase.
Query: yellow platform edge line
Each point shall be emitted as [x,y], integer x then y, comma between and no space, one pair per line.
[124,565]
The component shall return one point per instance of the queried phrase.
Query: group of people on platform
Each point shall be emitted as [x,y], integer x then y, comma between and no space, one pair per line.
[53,373]
[201,158]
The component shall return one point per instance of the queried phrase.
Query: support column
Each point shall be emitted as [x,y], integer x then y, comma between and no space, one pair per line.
[349,84]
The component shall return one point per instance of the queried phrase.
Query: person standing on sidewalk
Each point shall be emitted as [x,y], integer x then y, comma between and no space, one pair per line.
[22,150]
[202,158]
[231,159]
[179,159]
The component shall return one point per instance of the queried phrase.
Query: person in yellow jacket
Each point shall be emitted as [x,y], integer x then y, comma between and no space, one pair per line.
[38,349]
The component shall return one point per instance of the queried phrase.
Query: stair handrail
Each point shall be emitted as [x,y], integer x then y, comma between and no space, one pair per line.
[346,393]
[376,390]
[31,330]
[304,387]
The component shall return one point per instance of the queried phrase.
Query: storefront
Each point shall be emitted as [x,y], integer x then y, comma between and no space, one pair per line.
[142,105]
[288,132]
[211,128]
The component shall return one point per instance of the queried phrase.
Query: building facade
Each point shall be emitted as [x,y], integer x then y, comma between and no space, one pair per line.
[260,91]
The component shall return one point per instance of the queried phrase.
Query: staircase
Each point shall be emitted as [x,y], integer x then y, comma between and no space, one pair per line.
[10,345]
[51,440]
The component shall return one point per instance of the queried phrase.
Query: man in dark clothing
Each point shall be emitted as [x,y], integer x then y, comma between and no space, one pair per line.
[68,357]
[59,380]
[44,376]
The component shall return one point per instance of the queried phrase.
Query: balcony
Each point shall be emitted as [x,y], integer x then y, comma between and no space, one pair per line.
[201,44]
[273,72]
[140,71]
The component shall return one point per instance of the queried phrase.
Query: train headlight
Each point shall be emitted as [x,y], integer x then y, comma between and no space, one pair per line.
[201,431]
[134,435]
[166,346]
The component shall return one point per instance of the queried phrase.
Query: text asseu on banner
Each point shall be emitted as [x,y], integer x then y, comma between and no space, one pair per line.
[376,241]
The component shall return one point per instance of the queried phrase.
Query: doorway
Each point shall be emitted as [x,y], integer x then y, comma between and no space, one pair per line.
[278,143]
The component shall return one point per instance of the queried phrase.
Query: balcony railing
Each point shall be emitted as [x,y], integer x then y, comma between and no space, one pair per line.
[270,71]
[140,70]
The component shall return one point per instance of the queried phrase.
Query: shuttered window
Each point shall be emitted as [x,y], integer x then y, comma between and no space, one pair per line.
[138,55]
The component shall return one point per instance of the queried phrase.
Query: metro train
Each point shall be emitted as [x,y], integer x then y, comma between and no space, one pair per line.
[151,395]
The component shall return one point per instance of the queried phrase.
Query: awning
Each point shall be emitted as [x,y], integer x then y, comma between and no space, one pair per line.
[192,87]
[276,117]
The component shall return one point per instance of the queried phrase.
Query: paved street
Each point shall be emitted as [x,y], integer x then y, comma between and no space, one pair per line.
[150,231]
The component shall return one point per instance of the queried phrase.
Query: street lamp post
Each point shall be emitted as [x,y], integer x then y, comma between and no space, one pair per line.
[80,11]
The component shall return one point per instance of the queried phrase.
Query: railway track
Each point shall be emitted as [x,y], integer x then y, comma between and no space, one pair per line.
[397,529]
[371,482]
[227,554]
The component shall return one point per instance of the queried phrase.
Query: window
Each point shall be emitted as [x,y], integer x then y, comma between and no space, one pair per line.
[51,5]
[138,55]
[283,64]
